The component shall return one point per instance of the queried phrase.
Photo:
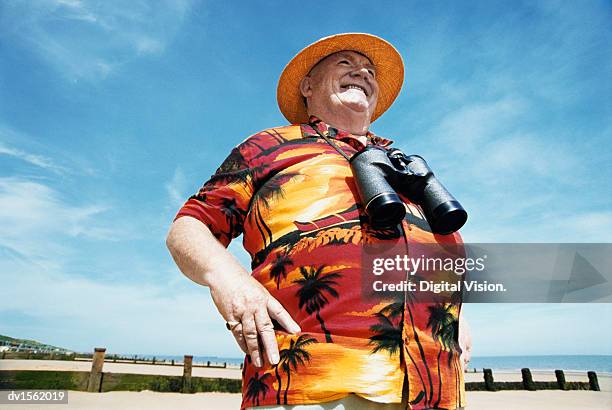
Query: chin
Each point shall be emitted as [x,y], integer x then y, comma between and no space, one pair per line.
[359,106]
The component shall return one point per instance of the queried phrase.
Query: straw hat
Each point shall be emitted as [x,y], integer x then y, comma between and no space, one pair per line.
[386,59]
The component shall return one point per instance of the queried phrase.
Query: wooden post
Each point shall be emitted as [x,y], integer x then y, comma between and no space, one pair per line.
[488,379]
[593,383]
[561,379]
[95,376]
[527,379]
[187,365]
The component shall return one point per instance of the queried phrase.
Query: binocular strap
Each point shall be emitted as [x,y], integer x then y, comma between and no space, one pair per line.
[330,142]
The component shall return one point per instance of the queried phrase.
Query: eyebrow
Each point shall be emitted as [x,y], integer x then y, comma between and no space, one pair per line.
[352,58]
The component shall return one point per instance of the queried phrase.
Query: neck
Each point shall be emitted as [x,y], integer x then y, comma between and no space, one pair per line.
[354,122]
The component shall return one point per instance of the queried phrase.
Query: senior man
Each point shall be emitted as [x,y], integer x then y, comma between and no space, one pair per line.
[310,337]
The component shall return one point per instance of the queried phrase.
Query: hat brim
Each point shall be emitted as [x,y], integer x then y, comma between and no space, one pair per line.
[386,59]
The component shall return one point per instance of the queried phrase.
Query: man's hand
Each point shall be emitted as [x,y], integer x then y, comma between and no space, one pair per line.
[238,297]
[244,300]
[465,341]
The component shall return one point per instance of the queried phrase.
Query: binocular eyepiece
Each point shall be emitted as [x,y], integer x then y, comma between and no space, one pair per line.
[380,174]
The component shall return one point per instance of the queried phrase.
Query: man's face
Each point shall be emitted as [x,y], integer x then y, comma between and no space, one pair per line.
[345,79]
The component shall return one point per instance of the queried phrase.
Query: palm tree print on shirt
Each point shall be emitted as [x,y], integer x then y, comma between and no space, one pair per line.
[313,287]
[410,298]
[265,196]
[444,326]
[257,386]
[278,270]
[241,175]
[291,358]
[312,233]
[233,214]
[388,335]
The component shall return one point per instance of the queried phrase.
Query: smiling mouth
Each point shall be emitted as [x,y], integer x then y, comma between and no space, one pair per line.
[355,87]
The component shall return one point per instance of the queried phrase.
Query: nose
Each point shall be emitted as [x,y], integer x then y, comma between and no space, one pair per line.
[363,72]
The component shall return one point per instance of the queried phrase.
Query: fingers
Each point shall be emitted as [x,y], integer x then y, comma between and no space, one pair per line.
[249,330]
[265,329]
[465,357]
[256,334]
[464,363]
[237,332]
[278,312]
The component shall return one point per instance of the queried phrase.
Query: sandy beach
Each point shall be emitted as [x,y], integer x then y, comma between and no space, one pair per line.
[605,381]
[504,400]
[540,400]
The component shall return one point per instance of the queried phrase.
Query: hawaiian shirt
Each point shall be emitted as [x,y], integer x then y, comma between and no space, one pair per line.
[293,198]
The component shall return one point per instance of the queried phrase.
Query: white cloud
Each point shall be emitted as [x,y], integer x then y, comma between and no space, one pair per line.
[589,226]
[147,45]
[34,159]
[24,147]
[81,313]
[531,225]
[533,328]
[519,181]
[58,293]
[35,220]
[472,125]
[176,188]
[89,40]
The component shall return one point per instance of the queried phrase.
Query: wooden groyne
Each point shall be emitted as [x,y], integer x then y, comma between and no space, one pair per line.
[97,380]
[81,357]
[527,382]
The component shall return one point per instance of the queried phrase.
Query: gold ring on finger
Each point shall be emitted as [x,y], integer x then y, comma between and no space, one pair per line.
[231,325]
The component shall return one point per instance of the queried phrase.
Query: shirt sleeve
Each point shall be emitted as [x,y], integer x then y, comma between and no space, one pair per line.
[223,201]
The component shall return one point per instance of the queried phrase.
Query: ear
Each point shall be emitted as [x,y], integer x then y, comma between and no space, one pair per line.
[306,86]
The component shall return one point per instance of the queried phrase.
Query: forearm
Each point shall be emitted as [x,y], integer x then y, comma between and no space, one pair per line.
[199,255]
[465,340]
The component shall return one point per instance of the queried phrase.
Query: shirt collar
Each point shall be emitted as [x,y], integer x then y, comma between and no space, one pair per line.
[331,132]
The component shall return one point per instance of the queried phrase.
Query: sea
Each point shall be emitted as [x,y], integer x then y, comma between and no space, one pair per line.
[214,360]
[601,364]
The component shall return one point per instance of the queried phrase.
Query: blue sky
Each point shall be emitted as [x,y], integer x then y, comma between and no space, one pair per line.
[113,113]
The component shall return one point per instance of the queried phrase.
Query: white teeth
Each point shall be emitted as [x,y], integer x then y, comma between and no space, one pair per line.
[356,87]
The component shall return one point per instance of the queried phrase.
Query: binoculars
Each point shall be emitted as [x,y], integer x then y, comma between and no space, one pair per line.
[379,174]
